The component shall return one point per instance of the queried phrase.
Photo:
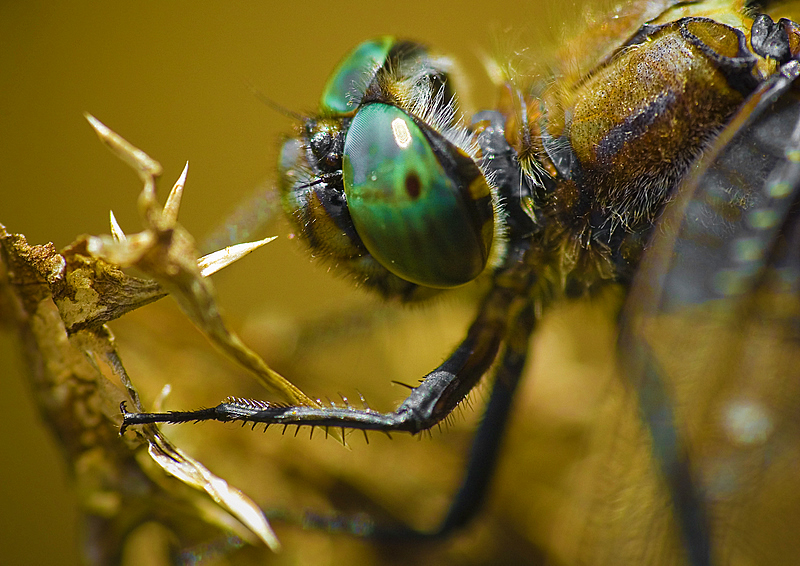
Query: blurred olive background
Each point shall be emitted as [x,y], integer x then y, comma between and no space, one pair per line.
[170,77]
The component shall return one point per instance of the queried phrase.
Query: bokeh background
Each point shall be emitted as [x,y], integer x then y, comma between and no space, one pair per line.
[170,77]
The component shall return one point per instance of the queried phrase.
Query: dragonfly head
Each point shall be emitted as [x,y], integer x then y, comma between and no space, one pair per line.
[386,181]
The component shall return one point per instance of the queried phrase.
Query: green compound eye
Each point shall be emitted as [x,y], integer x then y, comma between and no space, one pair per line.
[349,80]
[427,223]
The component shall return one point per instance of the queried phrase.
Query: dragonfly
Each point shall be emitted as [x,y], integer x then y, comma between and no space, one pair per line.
[665,164]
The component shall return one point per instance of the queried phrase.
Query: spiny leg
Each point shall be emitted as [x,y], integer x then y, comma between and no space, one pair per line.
[439,393]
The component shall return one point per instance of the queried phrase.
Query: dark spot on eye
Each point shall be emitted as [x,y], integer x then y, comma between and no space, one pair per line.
[413,185]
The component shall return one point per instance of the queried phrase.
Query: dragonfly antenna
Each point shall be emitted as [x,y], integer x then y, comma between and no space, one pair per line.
[271,103]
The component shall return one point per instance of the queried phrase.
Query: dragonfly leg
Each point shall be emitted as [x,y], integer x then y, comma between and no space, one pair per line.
[437,396]
[483,457]
[488,439]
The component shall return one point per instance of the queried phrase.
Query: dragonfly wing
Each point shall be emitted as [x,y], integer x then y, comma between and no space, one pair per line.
[707,440]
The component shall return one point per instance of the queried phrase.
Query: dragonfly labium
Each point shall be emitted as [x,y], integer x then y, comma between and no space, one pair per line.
[661,154]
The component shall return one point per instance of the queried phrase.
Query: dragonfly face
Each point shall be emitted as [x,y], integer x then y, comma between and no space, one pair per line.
[555,194]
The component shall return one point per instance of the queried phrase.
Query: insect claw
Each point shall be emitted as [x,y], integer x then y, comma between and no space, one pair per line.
[366,438]
[123,427]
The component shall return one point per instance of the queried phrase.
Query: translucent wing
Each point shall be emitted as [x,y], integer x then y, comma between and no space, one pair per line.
[711,347]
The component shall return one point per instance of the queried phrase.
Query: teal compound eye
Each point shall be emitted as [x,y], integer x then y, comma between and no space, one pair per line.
[427,218]
[347,84]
